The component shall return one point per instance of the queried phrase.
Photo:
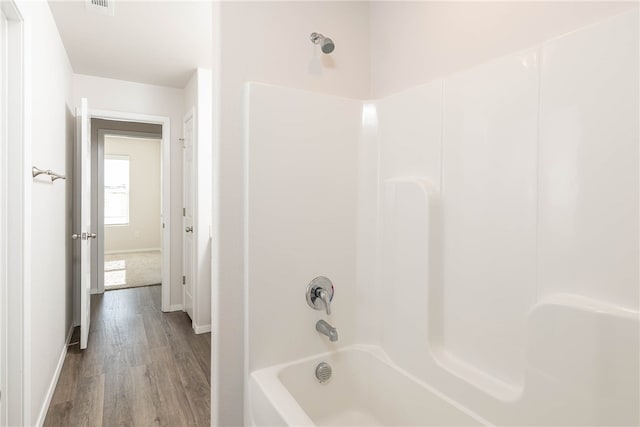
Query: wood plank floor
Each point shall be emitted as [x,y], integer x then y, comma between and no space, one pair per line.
[142,367]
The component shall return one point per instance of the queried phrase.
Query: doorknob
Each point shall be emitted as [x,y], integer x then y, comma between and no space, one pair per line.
[92,235]
[75,236]
[189,229]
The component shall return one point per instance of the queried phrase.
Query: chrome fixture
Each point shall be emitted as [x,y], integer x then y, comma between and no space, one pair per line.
[188,229]
[323,372]
[37,171]
[84,236]
[326,44]
[320,294]
[326,329]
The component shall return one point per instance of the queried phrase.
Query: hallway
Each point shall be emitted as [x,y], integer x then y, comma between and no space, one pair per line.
[142,367]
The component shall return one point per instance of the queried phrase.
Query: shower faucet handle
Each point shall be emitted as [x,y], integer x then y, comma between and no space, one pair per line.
[326,299]
[320,294]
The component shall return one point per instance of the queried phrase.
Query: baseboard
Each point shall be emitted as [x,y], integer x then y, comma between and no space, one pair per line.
[203,329]
[175,307]
[132,251]
[54,380]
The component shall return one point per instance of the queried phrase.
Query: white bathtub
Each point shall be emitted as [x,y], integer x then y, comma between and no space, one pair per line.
[365,390]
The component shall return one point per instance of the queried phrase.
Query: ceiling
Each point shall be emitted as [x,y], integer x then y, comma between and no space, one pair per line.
[159,42]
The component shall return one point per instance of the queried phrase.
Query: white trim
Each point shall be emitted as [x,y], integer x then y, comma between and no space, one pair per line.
[245,234]
[217,356]
[203,204]
[201,329]
[15,202]
[175,307]
[130,134]
[54,381]
[99,205]
[26,228]
[133,251]
[4,205]
[166,187]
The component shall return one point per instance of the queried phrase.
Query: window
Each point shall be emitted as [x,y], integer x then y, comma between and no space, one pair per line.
[116,190]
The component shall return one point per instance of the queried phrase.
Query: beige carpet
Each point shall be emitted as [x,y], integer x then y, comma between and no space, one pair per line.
[132,270]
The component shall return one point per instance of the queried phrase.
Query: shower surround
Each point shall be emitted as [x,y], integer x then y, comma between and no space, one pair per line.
[481,233]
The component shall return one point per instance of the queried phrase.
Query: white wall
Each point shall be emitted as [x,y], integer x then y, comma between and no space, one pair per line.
[301,214]
[118,95]
[513,256]
[143,232]
[265,42]
[198,96]
[489,133]
[589,147]
[49,294]
[416,42]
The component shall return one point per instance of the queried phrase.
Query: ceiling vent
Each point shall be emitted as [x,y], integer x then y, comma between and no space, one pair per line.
[104,7]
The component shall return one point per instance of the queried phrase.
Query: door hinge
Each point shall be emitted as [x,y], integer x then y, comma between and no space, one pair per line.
[184,280]
[184,211]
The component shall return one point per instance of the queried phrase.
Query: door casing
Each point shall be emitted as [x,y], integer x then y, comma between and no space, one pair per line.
[166,190]
[15,201]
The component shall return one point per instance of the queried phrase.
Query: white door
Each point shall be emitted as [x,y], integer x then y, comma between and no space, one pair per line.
[188,206]
[84,236]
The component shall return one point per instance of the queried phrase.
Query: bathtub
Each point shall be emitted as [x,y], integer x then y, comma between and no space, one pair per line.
[365,389]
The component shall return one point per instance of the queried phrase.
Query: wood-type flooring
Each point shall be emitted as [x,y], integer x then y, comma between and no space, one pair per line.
[142,367]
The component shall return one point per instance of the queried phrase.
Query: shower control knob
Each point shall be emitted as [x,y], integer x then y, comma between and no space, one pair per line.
[320,294]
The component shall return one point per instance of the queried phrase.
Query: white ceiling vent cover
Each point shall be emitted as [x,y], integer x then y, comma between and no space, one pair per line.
[101,6]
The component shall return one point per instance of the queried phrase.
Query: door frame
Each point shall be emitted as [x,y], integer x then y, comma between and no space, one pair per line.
[166,186]
[100,196]
[15,200]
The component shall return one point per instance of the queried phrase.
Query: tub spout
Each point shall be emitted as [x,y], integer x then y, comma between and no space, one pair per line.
[326,329]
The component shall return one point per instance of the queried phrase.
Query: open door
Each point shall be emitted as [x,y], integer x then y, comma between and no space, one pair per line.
[84,235]
[187,216]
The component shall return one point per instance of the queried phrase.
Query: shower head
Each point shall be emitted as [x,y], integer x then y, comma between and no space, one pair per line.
[326,44]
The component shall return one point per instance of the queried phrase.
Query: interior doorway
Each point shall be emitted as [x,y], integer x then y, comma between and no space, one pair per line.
[130,202]
[131,209]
